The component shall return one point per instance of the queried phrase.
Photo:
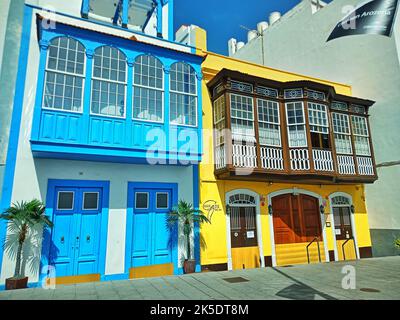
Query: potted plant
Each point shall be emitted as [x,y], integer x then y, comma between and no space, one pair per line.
[397,243]
[185,215]
[23,217]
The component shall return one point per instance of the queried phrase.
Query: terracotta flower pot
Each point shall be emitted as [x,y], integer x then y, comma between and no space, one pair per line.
[189,266]
[16,283]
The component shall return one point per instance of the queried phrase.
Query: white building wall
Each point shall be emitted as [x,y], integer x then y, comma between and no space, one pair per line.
[31,177]
[370,64]
[10,39]
[71,7]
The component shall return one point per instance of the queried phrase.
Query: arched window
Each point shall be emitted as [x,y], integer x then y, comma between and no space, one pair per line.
[64,76]
[148,87]
[183,95]
[242,199]
[340,201]
[109,82]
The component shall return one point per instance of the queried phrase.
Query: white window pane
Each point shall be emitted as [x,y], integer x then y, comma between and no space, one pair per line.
[148,72]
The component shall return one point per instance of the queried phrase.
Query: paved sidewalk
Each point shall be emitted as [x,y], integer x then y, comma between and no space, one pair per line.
[311,282]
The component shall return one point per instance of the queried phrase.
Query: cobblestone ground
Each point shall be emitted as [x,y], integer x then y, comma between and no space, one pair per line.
[377,278]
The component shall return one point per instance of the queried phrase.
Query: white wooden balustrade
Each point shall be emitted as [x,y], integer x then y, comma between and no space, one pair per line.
[299,159]
[322,160]
[244,156]
[271,158]
[365,166]
[346,165]
[220,161]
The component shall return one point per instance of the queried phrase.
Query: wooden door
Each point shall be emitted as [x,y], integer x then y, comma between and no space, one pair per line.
[296,218]
[311,218]
[74,249]
[245,251]
[243,227]
[342,219]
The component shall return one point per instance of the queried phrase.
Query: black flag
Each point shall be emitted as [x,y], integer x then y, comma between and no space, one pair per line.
[373,17]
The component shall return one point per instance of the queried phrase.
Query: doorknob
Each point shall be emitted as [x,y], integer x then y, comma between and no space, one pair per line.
[87,238]
[62,239]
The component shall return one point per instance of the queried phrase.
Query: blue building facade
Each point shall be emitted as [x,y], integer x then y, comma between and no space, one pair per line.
[106,131]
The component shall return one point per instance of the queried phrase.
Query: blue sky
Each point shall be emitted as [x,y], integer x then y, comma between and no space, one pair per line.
[222,19]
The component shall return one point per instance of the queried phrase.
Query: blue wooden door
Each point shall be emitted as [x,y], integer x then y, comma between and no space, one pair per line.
[75,236]
[151,242]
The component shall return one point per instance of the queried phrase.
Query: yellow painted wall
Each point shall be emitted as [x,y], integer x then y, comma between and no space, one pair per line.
[214,235]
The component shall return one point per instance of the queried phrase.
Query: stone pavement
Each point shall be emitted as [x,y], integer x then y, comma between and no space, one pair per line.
[376,278]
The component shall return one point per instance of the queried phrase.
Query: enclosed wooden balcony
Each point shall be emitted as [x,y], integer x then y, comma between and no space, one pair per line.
[303,131]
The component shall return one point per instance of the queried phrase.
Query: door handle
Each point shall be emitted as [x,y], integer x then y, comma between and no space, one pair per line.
[87,238]
[62,239]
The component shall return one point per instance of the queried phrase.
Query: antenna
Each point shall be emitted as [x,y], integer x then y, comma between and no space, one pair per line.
[248,29]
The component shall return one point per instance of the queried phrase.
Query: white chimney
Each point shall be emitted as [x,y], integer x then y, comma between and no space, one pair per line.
[240,45]
[252,34]
[274,17]
[262,26]
[232,46]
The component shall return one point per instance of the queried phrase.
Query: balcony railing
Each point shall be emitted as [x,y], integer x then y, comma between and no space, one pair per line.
[323,160]
[271,160]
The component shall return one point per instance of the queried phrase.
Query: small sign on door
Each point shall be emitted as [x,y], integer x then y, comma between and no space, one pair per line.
[250,234]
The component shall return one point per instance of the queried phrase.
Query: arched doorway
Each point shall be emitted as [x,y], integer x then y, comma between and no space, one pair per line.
[243,230]
[297,227]
[344,231]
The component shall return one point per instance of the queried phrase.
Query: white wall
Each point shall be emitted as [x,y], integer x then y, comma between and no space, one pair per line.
[369,63]
[31,176]
[71,7]
[4,7]
[10,39]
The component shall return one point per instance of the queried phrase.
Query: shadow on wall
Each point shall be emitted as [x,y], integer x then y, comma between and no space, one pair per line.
[31,250]
[383,242]
[174,234]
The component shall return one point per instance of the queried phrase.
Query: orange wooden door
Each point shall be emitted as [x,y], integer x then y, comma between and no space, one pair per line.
[296,218]
[311,218]
[282,218]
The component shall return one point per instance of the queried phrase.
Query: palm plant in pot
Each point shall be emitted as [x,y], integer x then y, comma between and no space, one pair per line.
[23,217]
[186,216]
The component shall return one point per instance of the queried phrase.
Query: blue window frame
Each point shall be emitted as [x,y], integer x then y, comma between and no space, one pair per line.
[148,89]
[109,82]
[65,75]
[183,94]
[108,117]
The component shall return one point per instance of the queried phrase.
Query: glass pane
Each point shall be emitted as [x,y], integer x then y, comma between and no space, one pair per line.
[162,200]
[141,200]
[90,200]
[336,215]
[65,200]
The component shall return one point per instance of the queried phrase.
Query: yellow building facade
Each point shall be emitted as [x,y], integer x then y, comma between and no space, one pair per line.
[221,197]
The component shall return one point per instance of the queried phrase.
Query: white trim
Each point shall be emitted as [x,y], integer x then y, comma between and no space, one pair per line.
[58,200]
[162,103]
[91,99]
[296,124]
[271,220]
[258,222]
[353,225]
[83,200]
[269,122]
